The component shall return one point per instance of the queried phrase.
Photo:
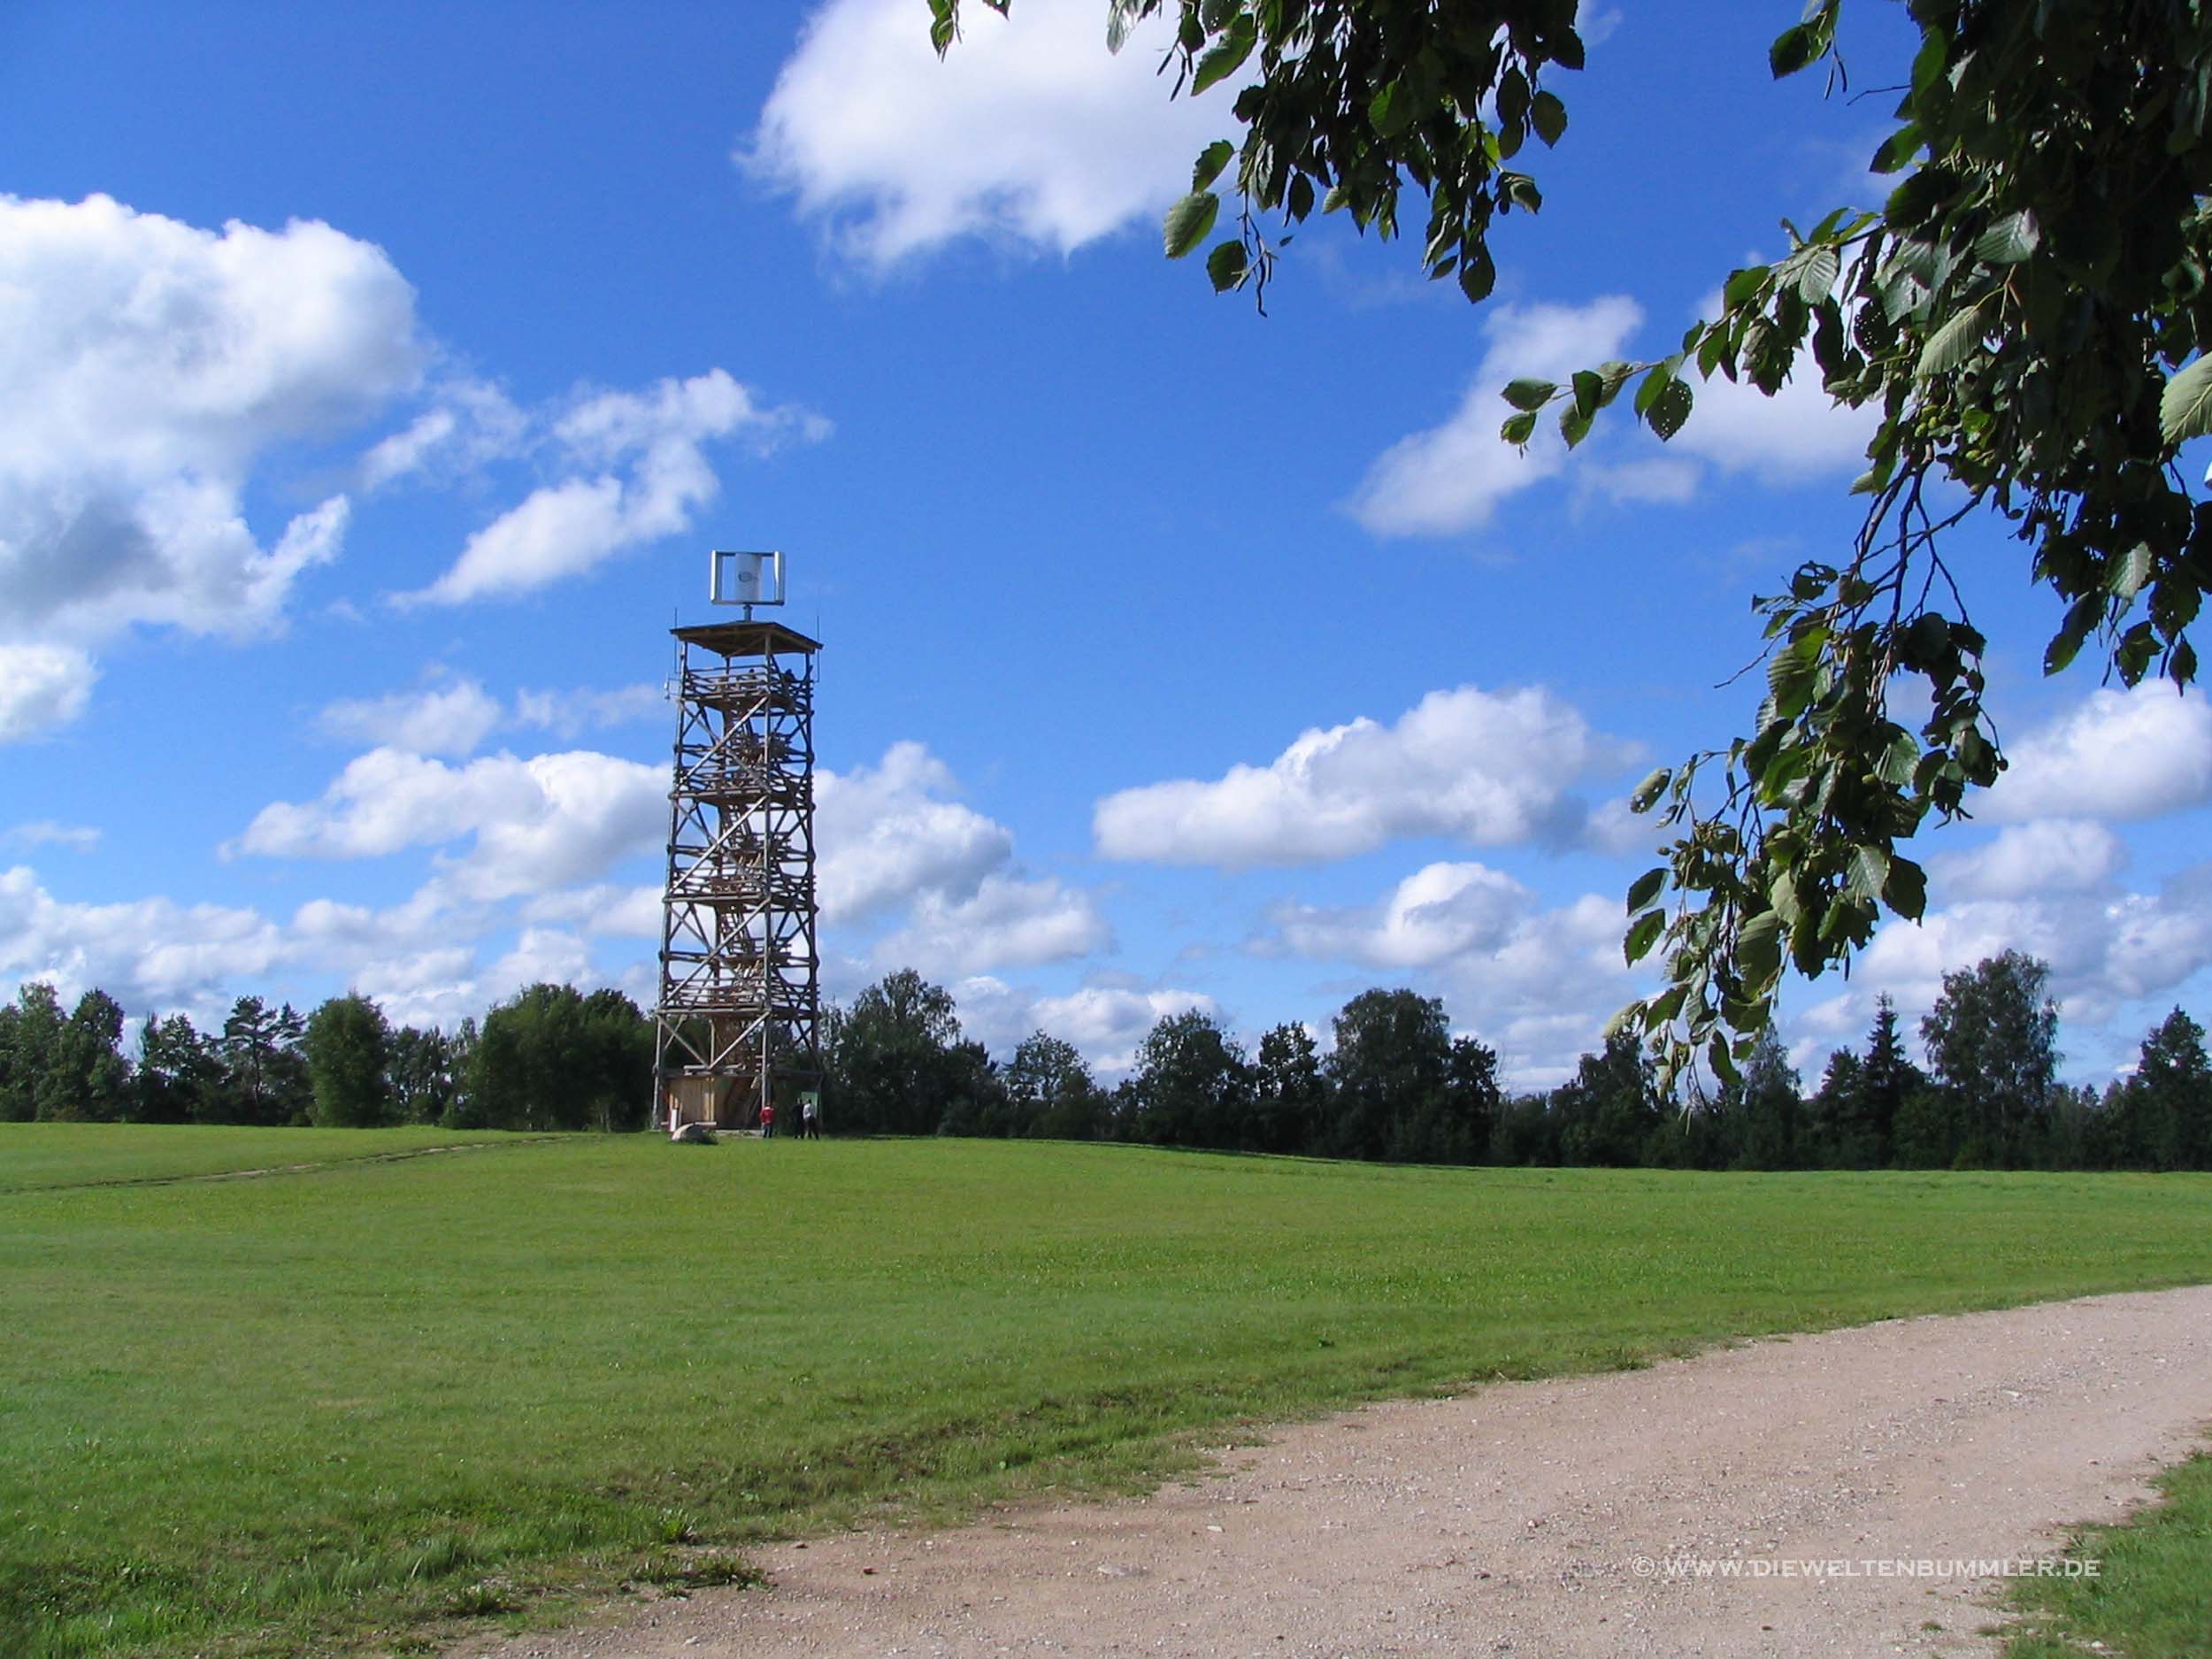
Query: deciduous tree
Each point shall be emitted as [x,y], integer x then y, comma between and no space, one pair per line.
[349,1047]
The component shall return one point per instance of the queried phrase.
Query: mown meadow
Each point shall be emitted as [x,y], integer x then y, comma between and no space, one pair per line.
[385,1387]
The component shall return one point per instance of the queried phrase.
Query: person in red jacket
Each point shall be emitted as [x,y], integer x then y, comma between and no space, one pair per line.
[767,1121]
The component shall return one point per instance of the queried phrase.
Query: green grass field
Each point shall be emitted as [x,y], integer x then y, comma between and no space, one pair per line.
[342,1403]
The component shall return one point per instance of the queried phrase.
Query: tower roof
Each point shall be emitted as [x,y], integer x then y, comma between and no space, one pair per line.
[748,639]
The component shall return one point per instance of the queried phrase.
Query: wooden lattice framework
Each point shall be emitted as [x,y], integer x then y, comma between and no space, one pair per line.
[738,1021]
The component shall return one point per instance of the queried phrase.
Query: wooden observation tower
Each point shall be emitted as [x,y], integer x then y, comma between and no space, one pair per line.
[737,1026]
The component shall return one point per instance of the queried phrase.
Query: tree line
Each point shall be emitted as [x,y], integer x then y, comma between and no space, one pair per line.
[1395,1084]
[552,1058]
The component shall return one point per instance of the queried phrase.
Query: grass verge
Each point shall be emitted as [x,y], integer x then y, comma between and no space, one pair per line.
[2152,1597]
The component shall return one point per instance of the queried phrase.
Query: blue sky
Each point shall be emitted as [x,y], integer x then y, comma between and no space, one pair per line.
[380,378]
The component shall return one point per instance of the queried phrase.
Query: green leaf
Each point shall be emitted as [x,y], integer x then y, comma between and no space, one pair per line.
[1744,285]
[1225,265]
[1794,48]
[2130,571]
[1898,148]
[2009,241]
[1574,426]
[1670,409]
[1952,344]
[1588,388]
[1519,429]
[1530,394]
[1188,221]
[1818,276]
[1646,888]
[1226,58]
[1477,272]
[1643,934]
[1897,761]
[1869,871]
[1646,793]
[1906,891]
[1211,160]
[1759,951]
[2184,408]
[1655,382]
[1548,116]
[2065,645]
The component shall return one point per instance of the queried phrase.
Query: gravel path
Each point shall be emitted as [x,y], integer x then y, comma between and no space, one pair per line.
[1539,1519]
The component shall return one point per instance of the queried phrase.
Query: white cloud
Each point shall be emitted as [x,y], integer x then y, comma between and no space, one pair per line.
[46,832]
[885,835]
[541,955]
[603,910]
[940,877]
[42,688]
[547,822]
[567,714]
[1005,922]
[1440,911]
[1028,130]
[469,424]
[2107,950]
[147,953]
[153,367]
[1450,478]
[2120,755]
[640,471]
[452,721]
[1105,1022]
[2051,856]
[1486,768]
[1537,985]
[452,717]
[1797,435]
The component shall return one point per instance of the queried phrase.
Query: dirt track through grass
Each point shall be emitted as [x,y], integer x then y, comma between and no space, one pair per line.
[1595,1517]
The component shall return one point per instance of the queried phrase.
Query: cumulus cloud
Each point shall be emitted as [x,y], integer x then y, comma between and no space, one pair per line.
[45,831]
[440,720]
[1486,768]
[1796,436]
[2054,856]
[568,714]
[42,688]
[1450,478]
[531,824]
[1441,912]
[1536,984]
[153,366]
[1028,131]
[1105,1022]
[147,953]
[2107,950]
[1006,922]
[470,424]
[2120,755]
[884,835]
[893,845]
[452,717]
[638,472]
